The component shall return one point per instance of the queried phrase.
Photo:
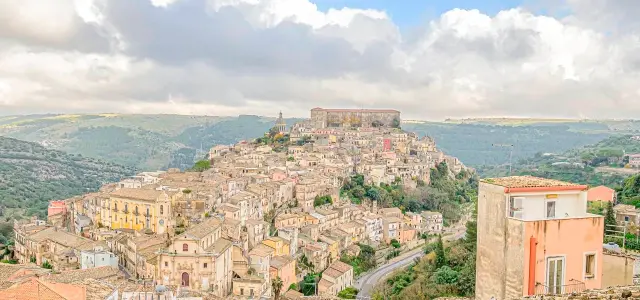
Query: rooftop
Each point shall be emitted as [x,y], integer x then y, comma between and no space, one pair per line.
[527,182]
[137,194]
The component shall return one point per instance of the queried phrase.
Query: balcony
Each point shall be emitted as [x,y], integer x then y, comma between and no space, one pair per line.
[575,286]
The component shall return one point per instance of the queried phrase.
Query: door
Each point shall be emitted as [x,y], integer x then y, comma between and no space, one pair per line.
[185,279]
[555,275]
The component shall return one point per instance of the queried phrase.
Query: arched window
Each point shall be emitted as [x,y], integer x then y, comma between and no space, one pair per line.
[185,247]
[147,211]
[115,206]
[136,210]
[161,209]
[126,207]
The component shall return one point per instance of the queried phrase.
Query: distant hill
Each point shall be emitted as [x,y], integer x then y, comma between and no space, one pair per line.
[150,142]
[147,142]
[602,163]
[476,144]
[31,175]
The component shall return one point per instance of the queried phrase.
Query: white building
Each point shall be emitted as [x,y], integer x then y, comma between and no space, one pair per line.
[432,222]
[97,257]
[373,227]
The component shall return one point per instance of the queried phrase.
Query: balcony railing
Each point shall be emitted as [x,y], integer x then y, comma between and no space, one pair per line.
[575,286]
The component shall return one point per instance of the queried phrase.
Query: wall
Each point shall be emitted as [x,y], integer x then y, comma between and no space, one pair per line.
[623,292]
[617,270]
[500,256]
[568,204]
[571,239]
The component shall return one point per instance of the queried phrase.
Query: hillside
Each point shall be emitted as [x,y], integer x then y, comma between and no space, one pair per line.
[474,144]
[146,142]
[603,162]
[31,175]
[160,141]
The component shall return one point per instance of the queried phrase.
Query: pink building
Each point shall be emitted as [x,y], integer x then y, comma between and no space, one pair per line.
[536,237]
[386,145]
[278,175]
[56,207]
[601,193]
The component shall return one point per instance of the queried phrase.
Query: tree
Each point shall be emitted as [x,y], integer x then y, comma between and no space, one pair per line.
[395,243]
[440,260]
[446,275]
[201,165]
[348,293]
[395,123]
[273,131]
[322,200]
[276,285]
[609,217]
[47,265]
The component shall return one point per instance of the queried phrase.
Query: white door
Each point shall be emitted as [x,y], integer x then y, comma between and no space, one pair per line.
[555,275]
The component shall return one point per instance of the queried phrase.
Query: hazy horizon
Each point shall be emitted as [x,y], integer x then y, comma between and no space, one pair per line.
[433,61]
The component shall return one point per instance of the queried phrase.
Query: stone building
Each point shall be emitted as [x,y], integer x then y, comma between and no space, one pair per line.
[199,259]
[281,125]
[323,118]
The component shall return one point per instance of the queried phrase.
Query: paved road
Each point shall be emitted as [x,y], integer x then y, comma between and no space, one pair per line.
[367,282]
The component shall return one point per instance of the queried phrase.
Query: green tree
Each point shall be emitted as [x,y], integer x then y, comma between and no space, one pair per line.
[440,260]
[276,285]
[395,243]
[201,165]
[348,293]
[609,217]
[47,265]
[446,275]
[395,123]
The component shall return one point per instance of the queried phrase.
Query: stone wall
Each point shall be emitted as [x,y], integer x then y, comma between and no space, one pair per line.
[323,118]
[500,257]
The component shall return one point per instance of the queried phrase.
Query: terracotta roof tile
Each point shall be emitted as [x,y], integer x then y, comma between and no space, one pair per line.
[526,181]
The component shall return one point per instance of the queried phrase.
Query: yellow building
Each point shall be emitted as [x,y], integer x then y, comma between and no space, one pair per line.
[278,244]
[139,209]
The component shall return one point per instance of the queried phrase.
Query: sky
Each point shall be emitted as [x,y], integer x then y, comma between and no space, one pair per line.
[431,60]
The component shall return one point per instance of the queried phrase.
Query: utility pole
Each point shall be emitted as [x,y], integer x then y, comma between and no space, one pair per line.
[510,153]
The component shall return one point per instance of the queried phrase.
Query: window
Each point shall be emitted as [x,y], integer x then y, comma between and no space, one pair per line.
[515,207]
[166,263]
[205,265]
[551,209]
[241,291]
[185,247]
[626,218]
[161,209]
[590,265]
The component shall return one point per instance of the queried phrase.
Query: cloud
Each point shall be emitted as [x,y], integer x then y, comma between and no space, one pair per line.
[225,57]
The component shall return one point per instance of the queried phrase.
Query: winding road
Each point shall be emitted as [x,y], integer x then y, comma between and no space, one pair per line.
[367,282]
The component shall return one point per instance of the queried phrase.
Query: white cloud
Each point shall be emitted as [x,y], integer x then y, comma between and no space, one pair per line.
[256,57]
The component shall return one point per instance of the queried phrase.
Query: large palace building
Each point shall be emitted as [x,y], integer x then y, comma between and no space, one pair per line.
[323,118]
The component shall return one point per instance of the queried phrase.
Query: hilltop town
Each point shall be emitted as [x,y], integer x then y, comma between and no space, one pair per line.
[253,219]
